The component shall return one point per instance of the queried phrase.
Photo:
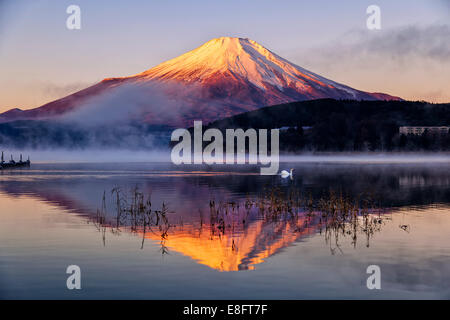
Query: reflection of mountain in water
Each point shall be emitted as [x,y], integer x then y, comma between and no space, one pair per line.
[240,249]
[238,235]
[243,245]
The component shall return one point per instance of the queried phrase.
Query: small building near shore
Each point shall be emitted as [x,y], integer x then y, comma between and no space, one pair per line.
[420,130]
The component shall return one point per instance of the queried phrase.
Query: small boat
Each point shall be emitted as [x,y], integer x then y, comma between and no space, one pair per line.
[13,164]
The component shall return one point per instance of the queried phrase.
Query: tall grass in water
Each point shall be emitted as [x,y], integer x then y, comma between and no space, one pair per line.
[133,212]
[333,215]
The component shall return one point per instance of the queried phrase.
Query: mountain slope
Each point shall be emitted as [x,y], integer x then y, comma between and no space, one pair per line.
[245,61]
[223,77]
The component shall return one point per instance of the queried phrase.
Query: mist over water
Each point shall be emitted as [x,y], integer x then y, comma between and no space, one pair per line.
[91,155]
[162,154]
[381,158]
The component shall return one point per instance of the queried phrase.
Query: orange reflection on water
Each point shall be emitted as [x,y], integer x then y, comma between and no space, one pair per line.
[239,249]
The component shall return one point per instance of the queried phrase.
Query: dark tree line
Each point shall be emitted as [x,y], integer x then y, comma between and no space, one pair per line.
[366,137]
[348,125]
[315,125]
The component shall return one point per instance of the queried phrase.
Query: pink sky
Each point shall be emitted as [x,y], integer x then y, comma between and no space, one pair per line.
[41,60]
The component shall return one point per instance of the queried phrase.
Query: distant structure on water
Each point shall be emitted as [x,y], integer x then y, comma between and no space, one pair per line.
[13,164]
[418,131]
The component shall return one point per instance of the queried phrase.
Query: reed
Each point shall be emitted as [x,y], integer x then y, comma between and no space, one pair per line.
[334,215]
[133,211]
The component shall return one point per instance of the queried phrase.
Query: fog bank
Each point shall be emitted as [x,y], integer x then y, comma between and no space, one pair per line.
[163,155]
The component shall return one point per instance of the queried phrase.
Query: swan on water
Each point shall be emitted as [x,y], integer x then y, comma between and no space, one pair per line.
[285,174]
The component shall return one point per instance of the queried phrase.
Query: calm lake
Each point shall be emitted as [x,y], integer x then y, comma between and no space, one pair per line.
[54,215]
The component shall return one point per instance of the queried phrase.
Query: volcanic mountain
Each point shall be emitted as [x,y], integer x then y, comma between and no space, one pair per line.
[221,78]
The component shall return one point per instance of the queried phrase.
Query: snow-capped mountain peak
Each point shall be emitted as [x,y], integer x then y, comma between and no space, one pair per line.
[221,78]
[242,57]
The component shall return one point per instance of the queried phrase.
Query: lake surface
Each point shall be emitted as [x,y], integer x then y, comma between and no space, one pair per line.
[53,216]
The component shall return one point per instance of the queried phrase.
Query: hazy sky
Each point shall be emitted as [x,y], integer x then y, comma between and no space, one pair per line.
[41,60]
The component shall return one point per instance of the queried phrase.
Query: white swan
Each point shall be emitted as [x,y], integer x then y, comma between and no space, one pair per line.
[285,174]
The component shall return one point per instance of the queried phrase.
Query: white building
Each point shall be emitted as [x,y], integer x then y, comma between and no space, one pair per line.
[420,130]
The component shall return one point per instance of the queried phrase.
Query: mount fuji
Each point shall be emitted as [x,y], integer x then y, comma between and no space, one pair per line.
[221,78]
